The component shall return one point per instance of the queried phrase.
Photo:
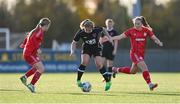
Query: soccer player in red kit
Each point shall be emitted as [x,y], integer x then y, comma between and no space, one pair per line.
[31,51]
[138,36]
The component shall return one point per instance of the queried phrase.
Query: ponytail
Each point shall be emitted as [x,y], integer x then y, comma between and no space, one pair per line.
[44,21]
[144,21]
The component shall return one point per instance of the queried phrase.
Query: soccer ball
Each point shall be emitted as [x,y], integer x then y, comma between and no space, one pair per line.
[86,87]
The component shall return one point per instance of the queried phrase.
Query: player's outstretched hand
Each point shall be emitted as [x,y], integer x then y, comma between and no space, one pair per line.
[160,44]
[72,53]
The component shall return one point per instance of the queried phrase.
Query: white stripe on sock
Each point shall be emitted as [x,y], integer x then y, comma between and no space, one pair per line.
[80,70]
[110,73]
[105,73]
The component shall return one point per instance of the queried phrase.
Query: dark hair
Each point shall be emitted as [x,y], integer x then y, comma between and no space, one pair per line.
[144,21]
[44,21]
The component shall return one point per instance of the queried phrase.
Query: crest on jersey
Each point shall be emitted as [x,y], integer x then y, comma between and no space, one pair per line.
[111,34]
[94,35]
[145,34]
[134,34]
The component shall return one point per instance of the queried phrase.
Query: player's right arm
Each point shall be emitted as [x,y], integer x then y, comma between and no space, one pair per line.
[125,34]
[73,47]
[107,34]
[74,42]
[119,37]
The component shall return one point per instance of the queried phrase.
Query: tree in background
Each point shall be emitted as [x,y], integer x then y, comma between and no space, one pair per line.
[171,19]
[5,16]
[164,21]
[67,14]
[111,9]
[63,19]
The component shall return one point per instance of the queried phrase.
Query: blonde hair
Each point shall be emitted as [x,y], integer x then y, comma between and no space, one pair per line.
[86,23]
[137,18]
[109,20]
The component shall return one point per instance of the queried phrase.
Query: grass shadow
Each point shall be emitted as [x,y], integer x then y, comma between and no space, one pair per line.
[10,90]
[80,93]
[160,93]
[151,93]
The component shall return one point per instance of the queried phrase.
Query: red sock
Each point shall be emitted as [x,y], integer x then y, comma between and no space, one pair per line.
[30,72]
[35,78]
[124,70]
[146,77]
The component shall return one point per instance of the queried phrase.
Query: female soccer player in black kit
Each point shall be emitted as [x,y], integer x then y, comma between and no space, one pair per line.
[90,47]
[109,49]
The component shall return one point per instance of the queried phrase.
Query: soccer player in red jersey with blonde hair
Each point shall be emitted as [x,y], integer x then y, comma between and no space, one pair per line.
[138,36]
[31,51]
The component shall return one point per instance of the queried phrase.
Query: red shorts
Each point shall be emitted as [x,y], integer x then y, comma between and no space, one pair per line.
[31,59]
[135,58]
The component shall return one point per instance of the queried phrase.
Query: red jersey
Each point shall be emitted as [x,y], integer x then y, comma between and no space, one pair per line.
[32,41]
[138,39]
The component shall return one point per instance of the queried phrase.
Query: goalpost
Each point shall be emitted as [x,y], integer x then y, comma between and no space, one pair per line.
[6,32]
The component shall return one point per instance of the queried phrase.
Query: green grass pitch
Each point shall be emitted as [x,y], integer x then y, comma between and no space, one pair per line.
[61,88]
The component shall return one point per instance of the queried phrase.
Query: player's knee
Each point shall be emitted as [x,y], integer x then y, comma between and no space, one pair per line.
[109,65]
[99,66]
[84,63]
[133,72]
[41,69]
[145,69]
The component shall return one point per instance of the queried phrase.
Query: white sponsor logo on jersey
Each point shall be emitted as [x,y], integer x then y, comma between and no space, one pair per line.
[91,42]
[94,35]
[140,39]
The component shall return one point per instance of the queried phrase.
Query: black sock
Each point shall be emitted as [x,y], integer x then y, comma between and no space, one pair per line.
[81,70]
[104,73]
[110,72]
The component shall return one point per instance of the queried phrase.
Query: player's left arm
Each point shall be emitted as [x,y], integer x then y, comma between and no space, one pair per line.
[39,51]
[107,34]
[115,47]
[156,40]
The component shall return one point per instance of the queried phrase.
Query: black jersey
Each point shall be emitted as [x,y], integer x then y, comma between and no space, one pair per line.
[89,39]
[112,33]
[108,48]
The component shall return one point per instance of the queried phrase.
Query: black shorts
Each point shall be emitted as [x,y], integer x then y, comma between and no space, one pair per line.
[92,51]
[107,51]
